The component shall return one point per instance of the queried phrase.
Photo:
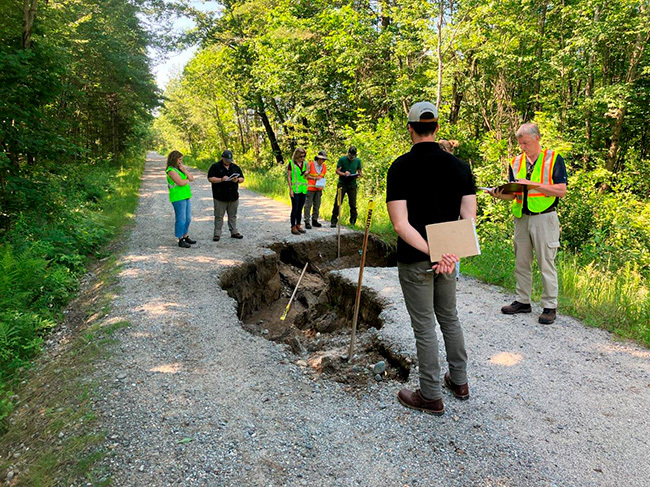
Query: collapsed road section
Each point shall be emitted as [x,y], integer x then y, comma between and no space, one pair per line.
[317,327]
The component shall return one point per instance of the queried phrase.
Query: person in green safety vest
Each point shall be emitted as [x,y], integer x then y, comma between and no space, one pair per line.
[297,179]
[543,173]
[180,194]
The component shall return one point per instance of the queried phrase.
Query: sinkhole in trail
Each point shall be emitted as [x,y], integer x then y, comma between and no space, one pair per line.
[317,329]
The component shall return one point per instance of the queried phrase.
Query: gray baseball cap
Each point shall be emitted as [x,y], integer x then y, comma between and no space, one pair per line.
[419,109]
[227,155]
[322,155]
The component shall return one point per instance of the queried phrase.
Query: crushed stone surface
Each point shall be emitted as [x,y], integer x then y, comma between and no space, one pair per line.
[188,397]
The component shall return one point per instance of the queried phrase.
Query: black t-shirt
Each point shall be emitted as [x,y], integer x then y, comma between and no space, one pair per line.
[228,190]
[559,176]
[432,182]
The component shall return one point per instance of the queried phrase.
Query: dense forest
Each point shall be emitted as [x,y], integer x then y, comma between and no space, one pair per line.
[272,75]
[76,101]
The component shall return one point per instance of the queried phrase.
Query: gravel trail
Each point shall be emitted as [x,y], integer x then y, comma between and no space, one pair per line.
[190,398]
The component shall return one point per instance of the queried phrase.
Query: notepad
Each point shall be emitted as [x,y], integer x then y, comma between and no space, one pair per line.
[456,237]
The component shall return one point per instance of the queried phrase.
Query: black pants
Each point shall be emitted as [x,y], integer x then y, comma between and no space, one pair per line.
[297,202]
[352,201]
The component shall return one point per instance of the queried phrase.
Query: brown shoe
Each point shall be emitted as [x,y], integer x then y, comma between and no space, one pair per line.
[414,400]
[294,230]
[516,307]
[547,317]
[300,229]
[459,391]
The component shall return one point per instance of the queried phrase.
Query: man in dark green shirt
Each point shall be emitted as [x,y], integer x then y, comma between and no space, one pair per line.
[349,169]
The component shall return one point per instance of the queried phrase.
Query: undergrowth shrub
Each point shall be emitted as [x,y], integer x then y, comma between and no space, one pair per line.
[60,217]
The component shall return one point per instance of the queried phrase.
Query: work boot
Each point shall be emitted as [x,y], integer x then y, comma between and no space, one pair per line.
[333,225]
[307,226]
[516,307]
[547,317]
[415,400]
[294,230]
[459,391]
[315,224]
[182,243]
[299,228]
[189,240]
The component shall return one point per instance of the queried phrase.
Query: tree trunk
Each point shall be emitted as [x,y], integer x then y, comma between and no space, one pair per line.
[238,115]
[29,14]
[457,98]
[440,66]
[540,53]
[275,147]
[642,39]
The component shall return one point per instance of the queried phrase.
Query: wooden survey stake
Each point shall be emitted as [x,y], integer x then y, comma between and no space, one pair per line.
[339,197]
[286,310]
[357,302]
[455,237]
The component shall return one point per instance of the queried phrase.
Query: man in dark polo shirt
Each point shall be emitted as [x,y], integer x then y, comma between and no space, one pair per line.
[349,170]
[225,177]
[428,185]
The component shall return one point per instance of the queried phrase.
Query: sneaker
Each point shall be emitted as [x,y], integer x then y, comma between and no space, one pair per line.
[316,224]
[516,307]
[216,238]
[189,240]
[237,235]
[459,391]
[183,243]
[547,317]
[299,228]
[294,230]
[414,400]
[307,226]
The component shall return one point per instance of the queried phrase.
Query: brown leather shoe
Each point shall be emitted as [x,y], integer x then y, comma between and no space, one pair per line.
[294,230]
[516,307]
[547,317]
[414,400]
[300,229]
[459,391]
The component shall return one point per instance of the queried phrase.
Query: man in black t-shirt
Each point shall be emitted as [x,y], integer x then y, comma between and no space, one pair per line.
[428,185]
[225,177]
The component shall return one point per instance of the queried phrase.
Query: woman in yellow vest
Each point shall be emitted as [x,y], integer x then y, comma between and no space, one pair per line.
[178,183]
[297,179]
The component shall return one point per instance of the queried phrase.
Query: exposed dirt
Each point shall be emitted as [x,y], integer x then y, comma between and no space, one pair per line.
[317,331]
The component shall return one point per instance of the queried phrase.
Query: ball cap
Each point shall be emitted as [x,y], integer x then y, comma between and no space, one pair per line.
[419,109]
[322,155]
[227,154]
[352,151]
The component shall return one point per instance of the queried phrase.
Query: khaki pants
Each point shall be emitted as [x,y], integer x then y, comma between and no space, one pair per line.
[220,209]
[426,295]
[541,233]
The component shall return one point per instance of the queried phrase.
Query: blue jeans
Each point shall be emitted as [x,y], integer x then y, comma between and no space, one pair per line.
[183,211]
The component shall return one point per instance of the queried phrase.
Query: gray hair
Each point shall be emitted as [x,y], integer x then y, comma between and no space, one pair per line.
[529,129]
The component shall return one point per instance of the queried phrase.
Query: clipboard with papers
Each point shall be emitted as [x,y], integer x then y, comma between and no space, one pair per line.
[455,237]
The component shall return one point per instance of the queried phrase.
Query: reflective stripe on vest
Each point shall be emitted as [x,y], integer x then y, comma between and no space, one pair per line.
[542,173]
[314,174]
[298,179]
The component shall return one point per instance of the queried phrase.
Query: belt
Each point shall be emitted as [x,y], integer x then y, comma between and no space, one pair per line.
[531,213]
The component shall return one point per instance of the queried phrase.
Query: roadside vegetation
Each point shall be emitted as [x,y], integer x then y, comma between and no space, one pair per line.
[327,75]
[76,95]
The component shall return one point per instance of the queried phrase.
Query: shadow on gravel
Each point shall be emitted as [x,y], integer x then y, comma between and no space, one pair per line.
[317,328]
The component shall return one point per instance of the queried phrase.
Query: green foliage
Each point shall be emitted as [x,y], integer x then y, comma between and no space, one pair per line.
[46,250]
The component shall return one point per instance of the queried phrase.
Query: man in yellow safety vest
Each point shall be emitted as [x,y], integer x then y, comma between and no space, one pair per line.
[543,174]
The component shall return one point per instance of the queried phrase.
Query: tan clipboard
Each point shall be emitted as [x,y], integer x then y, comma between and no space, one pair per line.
[456,237]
